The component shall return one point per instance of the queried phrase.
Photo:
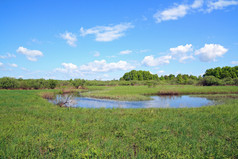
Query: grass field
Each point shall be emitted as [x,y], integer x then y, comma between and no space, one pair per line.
[139,92]
[31,127]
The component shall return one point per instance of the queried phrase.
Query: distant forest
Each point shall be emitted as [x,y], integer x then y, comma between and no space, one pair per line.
[214,76]
[218,72]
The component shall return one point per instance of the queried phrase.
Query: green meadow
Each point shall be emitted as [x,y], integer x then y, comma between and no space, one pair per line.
[31,127]
[140,92]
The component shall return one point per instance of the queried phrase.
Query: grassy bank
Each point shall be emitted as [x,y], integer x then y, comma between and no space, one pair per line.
[139,92]
[33,128]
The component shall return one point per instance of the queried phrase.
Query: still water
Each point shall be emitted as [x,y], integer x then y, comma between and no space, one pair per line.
[156,102]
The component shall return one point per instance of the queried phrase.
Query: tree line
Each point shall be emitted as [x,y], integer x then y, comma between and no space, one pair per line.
[224,72]
[214,76]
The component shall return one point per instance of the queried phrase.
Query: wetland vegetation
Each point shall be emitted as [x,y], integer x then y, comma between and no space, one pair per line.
[31,127]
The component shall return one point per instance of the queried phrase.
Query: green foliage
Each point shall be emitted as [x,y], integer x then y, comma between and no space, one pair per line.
[31,127]
[52,83]
[147,76]
[224,72]
[12,83]
[180,79]
[210,81]
[139,75]
[8,83]
[78,83]
[151,84]
[227,76]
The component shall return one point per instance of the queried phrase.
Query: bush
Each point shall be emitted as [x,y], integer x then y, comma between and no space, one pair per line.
[228,81]
[8,83]
[210,81]
[235,81]
[190,82]
[52,83]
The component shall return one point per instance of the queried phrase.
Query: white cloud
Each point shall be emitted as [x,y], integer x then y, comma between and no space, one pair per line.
[69,69]
[70,38]
[181,49]
[69,66]
[220,4]
[103,66]
[181,52]
[96,54]
[210,52]
[186,57]
[1,64]
[197,4]
[180,10]
[151,61]
[13,65]
[125,52]
[172,13]
[107,33]
[30,54]
[7,56]
[234,62]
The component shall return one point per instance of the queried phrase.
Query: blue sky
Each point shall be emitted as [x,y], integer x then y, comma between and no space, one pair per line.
[102,39]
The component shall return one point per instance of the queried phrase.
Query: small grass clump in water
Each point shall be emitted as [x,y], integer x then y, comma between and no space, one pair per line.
[31,127]
[47,95]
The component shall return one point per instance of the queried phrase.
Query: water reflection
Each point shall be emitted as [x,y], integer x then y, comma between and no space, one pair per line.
[157,102]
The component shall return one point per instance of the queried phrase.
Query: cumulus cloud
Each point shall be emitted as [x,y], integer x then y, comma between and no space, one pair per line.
[30,54]
[197,4]
[179,11]
[181,52]
[1,64]
[103,66]
[7,56]
[220,4]
[13,65]
[107,33]
[172,13]
[181,49]
[69,69]
[151,61]
[234,62]
[210,52]
[70,38]
[125,52]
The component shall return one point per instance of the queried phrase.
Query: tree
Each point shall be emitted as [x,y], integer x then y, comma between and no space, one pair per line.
[8,83]
[179,79]
[52,83]
[139,75]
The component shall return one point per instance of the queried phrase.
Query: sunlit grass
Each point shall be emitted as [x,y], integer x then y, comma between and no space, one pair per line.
[31,127]
[139,92]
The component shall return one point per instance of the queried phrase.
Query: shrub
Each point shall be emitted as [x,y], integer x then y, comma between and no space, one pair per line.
[228,81]
[52,83]
[235,81]
[8,83]
[190,82]
[210,81]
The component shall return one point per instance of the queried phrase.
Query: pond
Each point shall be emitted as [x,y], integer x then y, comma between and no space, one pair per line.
[156,102]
